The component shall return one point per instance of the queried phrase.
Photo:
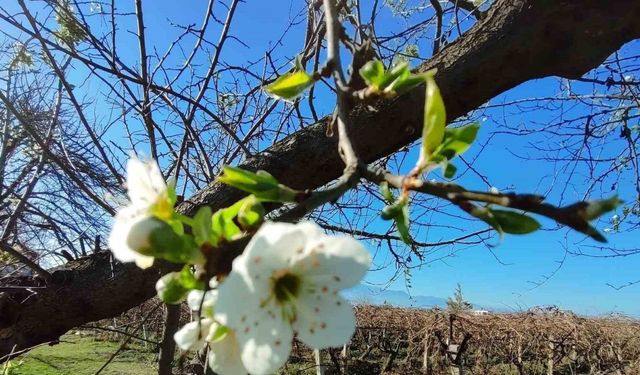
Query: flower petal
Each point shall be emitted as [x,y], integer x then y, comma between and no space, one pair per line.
[275,246]
[236,299]
[335,262]
[192,335]
[324,320]
[195,301]
[224,356]
[143,261]
[122,233]
[139,233]
[265,343]
[144,182]
[270,250]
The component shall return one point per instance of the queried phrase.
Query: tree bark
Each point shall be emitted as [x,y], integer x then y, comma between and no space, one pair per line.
[518,40]
[168,344]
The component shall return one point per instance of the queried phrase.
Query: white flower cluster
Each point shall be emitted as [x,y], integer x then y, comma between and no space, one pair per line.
[286,282]
[224,351]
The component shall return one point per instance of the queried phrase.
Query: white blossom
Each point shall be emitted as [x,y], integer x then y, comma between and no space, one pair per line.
[224,350]
[193,335]
[288,280]
[203,302]
[148,196]
[224,355]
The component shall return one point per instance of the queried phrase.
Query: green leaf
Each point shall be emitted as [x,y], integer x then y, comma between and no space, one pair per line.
[456,141]
[261,184]
[251,213]
[290,85]
[22,56]
[399,73]
[515,223]
[402,224]
[395,80]
[434,121]
[485,214]
[450,170]
[201,226]
[504,221]
[173,287]
[405,84]
[399,213]
[386,192]
[223,225]
[166,244]
[373,73]
[164,240]
[188,279]
[170,290]
[391,211]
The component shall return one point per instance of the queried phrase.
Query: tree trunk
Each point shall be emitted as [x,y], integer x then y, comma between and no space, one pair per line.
[168,344]
[518,40]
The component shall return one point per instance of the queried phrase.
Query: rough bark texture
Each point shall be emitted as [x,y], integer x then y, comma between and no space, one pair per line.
[518,40]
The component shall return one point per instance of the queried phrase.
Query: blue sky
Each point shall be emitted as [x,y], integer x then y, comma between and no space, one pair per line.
[503,276]
[514,274]
[580,284]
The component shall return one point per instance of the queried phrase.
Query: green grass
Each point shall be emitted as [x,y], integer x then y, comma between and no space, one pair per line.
[77,355]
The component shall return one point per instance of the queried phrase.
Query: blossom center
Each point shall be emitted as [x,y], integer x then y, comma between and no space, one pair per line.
[286,286]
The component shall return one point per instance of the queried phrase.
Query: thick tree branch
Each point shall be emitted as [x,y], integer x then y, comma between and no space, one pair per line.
[517,41]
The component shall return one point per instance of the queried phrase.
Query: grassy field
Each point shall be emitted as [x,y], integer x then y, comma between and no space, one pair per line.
[77,355]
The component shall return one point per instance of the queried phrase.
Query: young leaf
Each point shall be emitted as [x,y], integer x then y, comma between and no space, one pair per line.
[485,214]
[386,192]
[163,240]
[175,248]
[251,213]
[398,72]
[405,83]
[373,73]
[170,290]
[290,85]
[402,224]
[450,170]
[201,226]
[173,287]
[188,279]
[434,121]
[261,184]
[399,212]
[223,225]
[456,141]
[515,223]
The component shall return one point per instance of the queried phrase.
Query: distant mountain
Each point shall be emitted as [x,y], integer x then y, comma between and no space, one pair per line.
[377,296]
